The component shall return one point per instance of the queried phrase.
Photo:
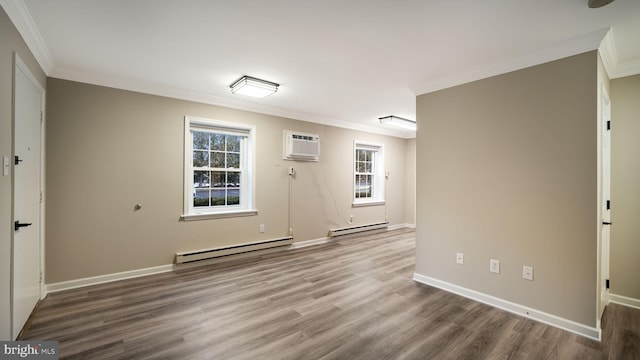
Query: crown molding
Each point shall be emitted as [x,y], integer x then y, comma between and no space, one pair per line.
[608,53]
[626,69]
[574,47]
[21,17]
[205,98]
[611,61]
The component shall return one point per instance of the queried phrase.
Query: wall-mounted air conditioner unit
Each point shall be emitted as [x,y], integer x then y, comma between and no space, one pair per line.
[301,146]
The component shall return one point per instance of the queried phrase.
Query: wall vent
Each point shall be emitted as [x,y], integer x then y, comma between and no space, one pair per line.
[301,146]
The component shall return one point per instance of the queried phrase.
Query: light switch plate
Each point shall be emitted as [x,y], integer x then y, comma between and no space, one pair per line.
[459,258]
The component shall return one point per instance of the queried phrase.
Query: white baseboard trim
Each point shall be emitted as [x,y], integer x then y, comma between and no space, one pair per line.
[305,243]
[549,319]
[624,300]
[399,226]
[101,279]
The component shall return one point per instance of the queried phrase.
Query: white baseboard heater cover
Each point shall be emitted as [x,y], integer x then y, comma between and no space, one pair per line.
[213,253]
[358,228]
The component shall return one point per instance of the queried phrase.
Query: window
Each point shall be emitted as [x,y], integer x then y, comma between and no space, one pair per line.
[218,169]
[368,174]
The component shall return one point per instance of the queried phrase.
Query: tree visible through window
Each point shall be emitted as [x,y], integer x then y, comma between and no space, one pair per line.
[368,184]
[365,170]
[216,169]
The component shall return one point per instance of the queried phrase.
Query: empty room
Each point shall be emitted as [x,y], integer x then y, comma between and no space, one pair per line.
[320,180]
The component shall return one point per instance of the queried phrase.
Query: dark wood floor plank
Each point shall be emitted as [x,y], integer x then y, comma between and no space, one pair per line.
[352,298]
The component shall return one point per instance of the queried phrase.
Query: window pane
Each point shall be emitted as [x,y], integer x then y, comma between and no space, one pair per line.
[217,159]
[233,197]
[233,161]
[363,186]
[368,167]
[201,197]
[218,197]
[200,179]
[233,143]
[233,179]
[200,140]
[217,141]
[219,179]
[200,158]
[360,156]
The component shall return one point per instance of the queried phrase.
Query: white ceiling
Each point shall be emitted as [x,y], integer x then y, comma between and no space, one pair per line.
[339,62]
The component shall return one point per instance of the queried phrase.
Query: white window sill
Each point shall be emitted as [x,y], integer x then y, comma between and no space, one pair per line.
[367,203]
[218,215]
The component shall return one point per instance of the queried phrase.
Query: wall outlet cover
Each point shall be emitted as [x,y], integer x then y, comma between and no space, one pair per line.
[527,272]
[459,258]
[494,266]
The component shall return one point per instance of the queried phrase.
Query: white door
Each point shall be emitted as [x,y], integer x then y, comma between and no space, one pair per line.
[26,262]
[606,198]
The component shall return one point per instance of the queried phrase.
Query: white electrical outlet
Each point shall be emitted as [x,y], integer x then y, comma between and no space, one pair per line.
[261,228]
[350,219]
[459,258]
[527,272]
[494,266]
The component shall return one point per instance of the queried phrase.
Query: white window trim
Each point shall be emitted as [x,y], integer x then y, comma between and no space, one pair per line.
[247,208]
[379,178]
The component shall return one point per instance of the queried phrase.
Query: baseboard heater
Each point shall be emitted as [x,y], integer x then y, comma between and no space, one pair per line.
[358,229]
[189,257]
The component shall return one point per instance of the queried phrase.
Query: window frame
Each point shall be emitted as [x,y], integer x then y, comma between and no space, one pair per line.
[247,169]
[378,178]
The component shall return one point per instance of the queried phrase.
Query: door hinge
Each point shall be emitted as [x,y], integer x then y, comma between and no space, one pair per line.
[608,124]
[41,117]
[40,196]
[606,283]
[608,204]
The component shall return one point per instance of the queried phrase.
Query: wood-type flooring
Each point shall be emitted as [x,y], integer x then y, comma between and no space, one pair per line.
[352,298]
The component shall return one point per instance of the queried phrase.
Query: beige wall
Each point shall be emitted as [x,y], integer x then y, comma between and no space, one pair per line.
[10,42]
[109,149]
[625,187]
[507,169]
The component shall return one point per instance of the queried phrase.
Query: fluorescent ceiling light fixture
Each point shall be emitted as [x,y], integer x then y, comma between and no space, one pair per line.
[398,122]
[254,87]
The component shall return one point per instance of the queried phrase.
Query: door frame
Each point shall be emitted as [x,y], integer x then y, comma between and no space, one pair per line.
[20,65]
[604,249]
